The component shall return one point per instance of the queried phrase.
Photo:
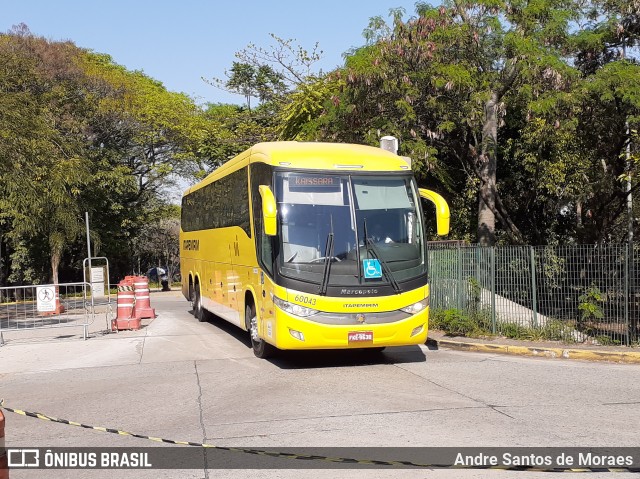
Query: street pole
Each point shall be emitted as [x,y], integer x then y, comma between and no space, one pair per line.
[86,219]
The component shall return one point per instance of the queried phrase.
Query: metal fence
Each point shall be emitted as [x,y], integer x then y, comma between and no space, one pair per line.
[46,306]
[572,293]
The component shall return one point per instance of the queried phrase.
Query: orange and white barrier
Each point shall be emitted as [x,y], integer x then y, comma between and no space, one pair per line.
[143,309]
[4,471]
[125,318]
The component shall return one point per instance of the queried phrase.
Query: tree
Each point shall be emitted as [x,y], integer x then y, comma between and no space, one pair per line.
[260,82]
[80,133]
[489,100]
[569,145]
[297,119]
[157,243]
[44,168]
[463,61]
[269,74]
[293,64]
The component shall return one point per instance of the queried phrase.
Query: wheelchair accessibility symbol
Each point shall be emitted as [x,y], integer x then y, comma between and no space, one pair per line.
[372,268]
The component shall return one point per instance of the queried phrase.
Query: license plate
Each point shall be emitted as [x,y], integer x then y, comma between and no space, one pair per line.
[360,336]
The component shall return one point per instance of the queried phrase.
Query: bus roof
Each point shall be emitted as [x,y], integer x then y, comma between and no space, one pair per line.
[313,156]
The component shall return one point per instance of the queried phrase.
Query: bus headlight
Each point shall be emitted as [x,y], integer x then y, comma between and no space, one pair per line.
[416,307]
[294,309]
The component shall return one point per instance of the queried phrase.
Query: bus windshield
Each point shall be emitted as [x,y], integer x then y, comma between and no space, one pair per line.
[367,227]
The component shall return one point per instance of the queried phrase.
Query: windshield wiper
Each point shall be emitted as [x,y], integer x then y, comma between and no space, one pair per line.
[354,226]
[328,256]
[376,254]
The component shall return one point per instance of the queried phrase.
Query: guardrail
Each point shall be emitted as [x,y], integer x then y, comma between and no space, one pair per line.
[46,306]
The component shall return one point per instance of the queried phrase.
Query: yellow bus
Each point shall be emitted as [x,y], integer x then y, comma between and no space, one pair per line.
[310,246]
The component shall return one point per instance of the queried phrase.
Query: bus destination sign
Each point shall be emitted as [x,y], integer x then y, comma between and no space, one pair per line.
[314,181]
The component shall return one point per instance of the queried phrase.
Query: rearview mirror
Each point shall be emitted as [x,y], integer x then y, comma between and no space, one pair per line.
[442,210]
[268,210]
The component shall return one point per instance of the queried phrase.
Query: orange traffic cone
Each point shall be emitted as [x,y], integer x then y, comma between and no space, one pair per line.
[125,303]
[143,308]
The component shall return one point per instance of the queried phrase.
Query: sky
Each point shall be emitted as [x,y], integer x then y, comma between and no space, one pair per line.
[179,42]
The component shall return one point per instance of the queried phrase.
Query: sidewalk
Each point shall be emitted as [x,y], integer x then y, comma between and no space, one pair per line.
[544,349]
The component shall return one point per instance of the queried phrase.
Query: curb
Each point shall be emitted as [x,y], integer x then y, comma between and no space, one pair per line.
[551,353]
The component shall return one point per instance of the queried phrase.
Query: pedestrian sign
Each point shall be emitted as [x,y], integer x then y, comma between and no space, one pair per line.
[372,268]
[46,299]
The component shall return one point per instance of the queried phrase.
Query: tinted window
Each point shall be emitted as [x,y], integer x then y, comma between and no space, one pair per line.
[221,204]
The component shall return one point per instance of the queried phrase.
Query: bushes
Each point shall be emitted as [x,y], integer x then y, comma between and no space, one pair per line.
[455,322]
[461,323]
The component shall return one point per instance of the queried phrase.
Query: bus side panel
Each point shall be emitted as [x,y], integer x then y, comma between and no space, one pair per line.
[244,273]
[223,297]
[217,282]
[210,266]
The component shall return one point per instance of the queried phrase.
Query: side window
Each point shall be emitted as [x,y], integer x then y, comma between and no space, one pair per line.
[218,205]
[240,185]
[261,174]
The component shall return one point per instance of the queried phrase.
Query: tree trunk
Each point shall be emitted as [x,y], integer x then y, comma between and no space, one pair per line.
[487,169]
[579,214]
[56,256]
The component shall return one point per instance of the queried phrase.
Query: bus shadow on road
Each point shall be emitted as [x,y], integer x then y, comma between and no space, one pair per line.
[332,358]
[230,329]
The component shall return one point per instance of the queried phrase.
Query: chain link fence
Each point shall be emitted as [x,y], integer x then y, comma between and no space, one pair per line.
[581,293]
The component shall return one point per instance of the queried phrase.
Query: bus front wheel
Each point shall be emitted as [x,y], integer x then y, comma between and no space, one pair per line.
[198,310]
[261,349]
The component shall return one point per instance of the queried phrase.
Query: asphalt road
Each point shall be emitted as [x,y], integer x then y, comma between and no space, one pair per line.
[183,380]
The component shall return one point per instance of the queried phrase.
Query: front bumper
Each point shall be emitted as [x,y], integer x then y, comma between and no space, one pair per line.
[330,336]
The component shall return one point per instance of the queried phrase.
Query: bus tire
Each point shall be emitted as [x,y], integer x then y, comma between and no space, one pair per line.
[261,349]
[198,310]
[192,296]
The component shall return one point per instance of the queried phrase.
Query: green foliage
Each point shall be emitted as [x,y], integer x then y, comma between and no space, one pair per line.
[552,77]
[552,330]
[233,129]
[296,120]
[455,322]
[261,82]
[589,304]
[80,133]
[270,74]
[461,323]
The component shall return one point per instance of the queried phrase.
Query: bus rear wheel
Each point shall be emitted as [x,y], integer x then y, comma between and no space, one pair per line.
[261,349]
